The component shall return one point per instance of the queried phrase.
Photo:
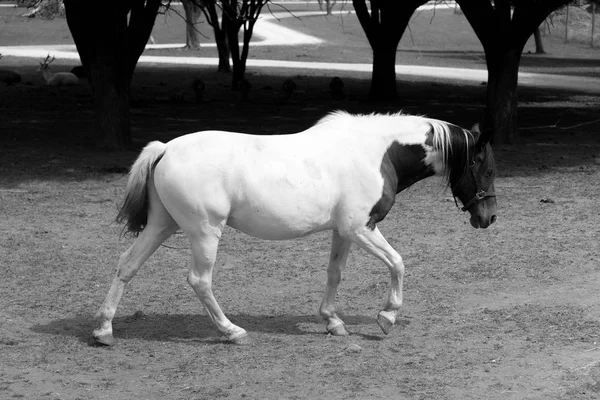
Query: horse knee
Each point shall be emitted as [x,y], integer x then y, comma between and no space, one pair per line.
[198,283]
[397,267]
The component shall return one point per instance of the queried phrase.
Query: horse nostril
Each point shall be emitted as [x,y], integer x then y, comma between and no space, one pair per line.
[493,219]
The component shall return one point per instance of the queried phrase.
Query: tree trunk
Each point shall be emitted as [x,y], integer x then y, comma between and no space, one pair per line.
[539,44]
[238,68]
[235,16]
[383,78]
[109,49]
[223,51]
[110,81]
[192,24]
[220,32]
[503,27]
[111,106]
[101,39]
[248,30]
[233,24]
[329,4]
[501,96]
[384,25]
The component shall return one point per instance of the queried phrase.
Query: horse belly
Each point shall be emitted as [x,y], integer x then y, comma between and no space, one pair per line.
[275,229]
[281,217]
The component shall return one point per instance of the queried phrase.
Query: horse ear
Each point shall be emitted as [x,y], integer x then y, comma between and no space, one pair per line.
[482,137]
[476,133]
[485,136]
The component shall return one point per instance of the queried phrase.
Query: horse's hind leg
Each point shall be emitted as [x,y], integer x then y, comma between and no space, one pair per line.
[160,226]
[340,248]
[204,245]
[374,242]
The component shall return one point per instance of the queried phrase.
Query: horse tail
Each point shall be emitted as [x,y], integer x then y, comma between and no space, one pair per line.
[134,210]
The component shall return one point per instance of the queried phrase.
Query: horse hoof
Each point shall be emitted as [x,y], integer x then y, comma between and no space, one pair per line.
[104,340]
[337,330]
[385,322]
[240,339]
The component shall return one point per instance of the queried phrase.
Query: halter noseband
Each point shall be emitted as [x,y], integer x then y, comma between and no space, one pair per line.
[479,195]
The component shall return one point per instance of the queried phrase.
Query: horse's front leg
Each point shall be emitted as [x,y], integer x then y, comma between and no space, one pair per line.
[374,242]
[340,248]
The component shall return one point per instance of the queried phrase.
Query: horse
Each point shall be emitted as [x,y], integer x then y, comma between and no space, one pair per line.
[342,174]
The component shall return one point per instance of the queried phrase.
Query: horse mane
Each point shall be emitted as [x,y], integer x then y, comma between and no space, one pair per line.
[340,115]
[455,145]
[335,115]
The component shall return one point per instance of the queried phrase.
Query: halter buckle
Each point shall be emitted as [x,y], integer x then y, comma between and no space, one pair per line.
[480,195]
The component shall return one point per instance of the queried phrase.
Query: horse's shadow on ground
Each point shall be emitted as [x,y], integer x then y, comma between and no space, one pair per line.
[193,327]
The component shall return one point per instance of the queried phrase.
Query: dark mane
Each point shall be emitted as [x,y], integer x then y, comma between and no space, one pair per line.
[456,146]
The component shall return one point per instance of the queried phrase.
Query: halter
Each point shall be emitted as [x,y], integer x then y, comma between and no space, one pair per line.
[479,195]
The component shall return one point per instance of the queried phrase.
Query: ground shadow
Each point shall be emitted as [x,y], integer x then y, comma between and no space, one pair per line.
[194,327]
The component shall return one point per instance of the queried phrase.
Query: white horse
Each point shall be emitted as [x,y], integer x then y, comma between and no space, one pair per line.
[342,174]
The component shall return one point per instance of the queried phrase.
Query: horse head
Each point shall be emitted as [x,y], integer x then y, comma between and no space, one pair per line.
[475,188]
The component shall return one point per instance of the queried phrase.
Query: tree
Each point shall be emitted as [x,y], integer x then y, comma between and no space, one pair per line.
[110,40]
[503,27]
[384,25]
[539,43]
[192,21]
[329,4]
[240,14]
[209,8]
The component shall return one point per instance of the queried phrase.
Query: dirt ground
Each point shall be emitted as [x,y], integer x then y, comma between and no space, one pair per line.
[510,312]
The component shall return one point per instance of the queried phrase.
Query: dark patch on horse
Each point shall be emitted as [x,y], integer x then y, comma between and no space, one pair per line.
[388,195]
[401,166]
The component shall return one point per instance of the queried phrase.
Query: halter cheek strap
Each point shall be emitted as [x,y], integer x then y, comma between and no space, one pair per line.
[480,195]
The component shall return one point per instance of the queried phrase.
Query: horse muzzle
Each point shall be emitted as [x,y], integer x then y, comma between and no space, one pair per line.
[479,221]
